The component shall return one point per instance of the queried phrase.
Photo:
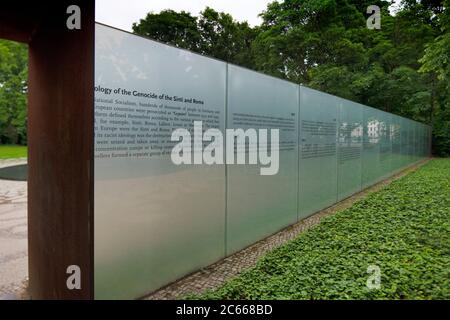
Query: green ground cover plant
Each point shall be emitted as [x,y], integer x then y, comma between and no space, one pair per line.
[404,229]
[9,152]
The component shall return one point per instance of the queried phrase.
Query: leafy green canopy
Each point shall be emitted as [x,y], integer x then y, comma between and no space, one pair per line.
[212,33]
[13,86]
[402,68]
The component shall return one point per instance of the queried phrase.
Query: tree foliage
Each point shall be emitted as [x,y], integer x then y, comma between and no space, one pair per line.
[213,33]
[13,86]
[176,28]
[402,68]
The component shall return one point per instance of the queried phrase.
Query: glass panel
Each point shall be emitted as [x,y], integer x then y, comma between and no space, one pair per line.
[371,147]
[405,147]
[411,141]
[349,147]
[318,153]
[425,141]
[422,141]
[396,134]
[423,131]
[385,145]
[259,205]
[418,142]
[154,221]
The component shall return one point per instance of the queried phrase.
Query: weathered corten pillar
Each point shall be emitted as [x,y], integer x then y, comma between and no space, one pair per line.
[60,140]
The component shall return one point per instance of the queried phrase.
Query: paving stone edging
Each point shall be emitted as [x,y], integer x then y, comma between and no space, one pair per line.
[217,274]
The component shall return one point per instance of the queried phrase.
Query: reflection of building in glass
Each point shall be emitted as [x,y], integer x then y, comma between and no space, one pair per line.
[373,131]
[350,132]
[357,132]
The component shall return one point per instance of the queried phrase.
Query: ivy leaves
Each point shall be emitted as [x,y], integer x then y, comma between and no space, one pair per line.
[403,229]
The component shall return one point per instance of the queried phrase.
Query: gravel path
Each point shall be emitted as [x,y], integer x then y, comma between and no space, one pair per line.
[13,235]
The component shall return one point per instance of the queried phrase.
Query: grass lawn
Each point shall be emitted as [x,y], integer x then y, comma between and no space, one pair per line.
[403,229]
[7,152]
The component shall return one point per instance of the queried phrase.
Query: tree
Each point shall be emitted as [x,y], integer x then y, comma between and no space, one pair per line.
[402,68]
[436,64]
[226,39]
[13,87]
[213,33]
[300,35]
[176,28]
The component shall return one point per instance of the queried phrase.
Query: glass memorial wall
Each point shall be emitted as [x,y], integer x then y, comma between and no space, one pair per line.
[156,221]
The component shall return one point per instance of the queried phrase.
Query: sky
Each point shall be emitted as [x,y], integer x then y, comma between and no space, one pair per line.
[122,13]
